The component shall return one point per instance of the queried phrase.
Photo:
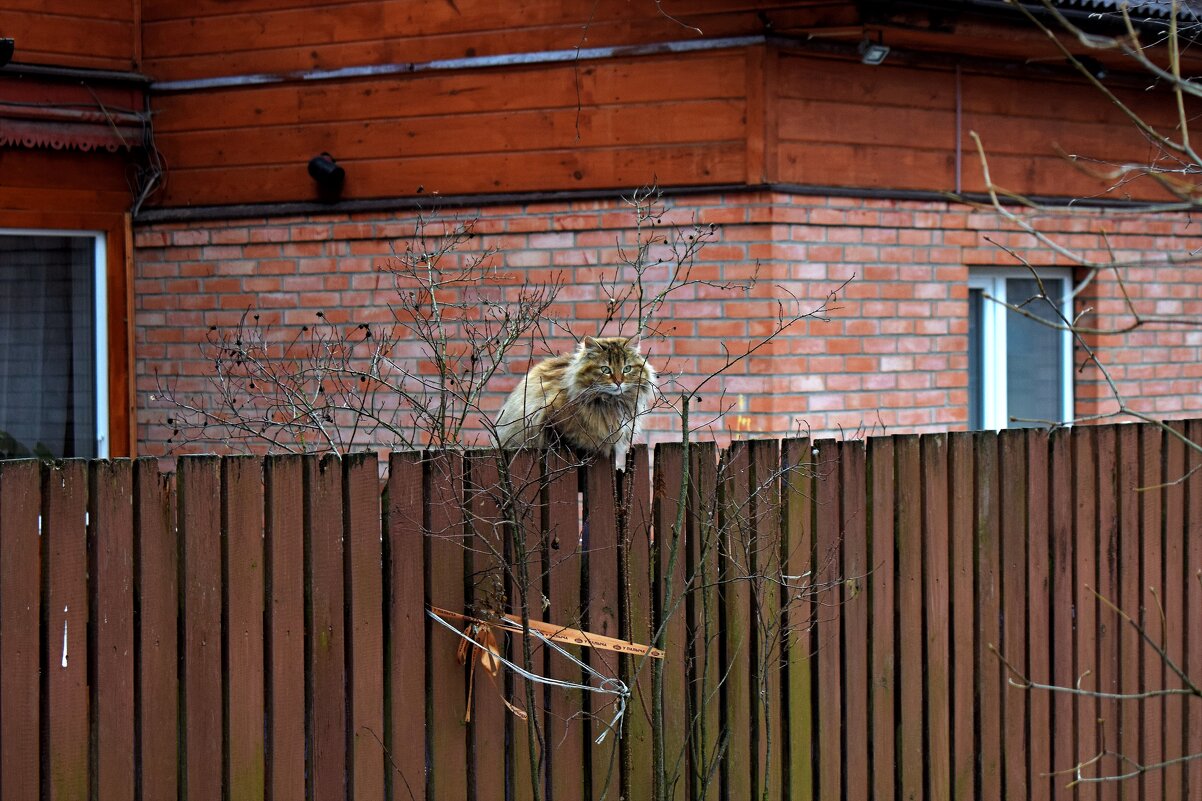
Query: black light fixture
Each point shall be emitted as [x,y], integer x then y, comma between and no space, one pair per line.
[7,47]
[329,177]
[872,53]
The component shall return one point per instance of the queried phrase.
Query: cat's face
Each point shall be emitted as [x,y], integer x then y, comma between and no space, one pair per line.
[610,366]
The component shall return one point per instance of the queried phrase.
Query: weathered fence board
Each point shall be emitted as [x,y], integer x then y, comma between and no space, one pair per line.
[405,693]
[284,561]
[364,627]
[882,665]
[20,600]
[635,565]
[832,616]
[65,657]
[325,661]
[1193,600]
[702,613]
[245,588]
[156,599]
[489,716]
[111,562]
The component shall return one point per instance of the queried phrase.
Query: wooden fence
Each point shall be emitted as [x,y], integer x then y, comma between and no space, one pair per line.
[256,628]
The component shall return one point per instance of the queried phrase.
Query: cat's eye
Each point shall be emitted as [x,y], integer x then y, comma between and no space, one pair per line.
[605,371]
[628,369]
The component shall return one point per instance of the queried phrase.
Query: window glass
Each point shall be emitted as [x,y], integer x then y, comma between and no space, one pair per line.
[48,363]
[1034,364]
[1018,367]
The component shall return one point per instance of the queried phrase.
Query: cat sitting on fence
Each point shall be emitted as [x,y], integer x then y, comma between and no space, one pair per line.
[591,400]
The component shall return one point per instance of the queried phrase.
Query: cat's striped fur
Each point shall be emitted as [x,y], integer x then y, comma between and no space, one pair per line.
[592,400]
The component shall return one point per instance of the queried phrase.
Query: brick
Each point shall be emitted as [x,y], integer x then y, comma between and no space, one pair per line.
[190,237]
[151,239]
[896,346]
[230,236]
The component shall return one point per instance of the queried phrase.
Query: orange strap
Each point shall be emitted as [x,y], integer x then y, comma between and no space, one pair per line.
[560,634]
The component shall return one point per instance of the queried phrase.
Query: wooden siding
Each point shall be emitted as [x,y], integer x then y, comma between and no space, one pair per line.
[895,127]
[611,124]
[738,116]
[92,34]
[186,39]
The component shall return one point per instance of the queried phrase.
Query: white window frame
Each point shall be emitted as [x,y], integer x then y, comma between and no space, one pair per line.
[101,334]
[994,317]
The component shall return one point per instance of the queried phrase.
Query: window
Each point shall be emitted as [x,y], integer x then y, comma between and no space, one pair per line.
[53,344]
[1019,370]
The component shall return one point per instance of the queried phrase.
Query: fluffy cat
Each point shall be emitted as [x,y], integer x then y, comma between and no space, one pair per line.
[592,400]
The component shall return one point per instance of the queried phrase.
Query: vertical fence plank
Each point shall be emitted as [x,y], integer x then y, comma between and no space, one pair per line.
[156,602]
[1013,480]
[882,636]
[672,606]
[1084,536]
[1176,578]
[1193,603]
[960,468]
[525,556]
[447,709]
[1108,722]
[704,633]
[325,645]
[20,600]
[635,625]
[1148,608]
[285,628]
[486,567]
[242,479]
[364,626]
[65,588]
[561,526]
[1131,597]
[768,609]
[1038,644]
[1062,637]
[990,678]
[600,543]
[857,573]
[406,739]
[936,613]
[200,614]
[829,575]
[111,564]
[908,471]
[796,558]
[739,636]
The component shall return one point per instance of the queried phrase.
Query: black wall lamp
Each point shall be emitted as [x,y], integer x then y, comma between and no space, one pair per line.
[7,48]
[329,177]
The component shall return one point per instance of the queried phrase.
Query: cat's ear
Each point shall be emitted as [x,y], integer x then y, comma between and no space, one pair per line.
[634,342]
[588,343]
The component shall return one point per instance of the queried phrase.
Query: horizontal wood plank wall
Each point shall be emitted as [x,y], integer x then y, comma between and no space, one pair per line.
[612,124]
[305,658]
[195,40]
[738,116]
[91,34]
[895,126]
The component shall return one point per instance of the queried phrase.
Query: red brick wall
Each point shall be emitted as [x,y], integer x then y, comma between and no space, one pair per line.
[892,357]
